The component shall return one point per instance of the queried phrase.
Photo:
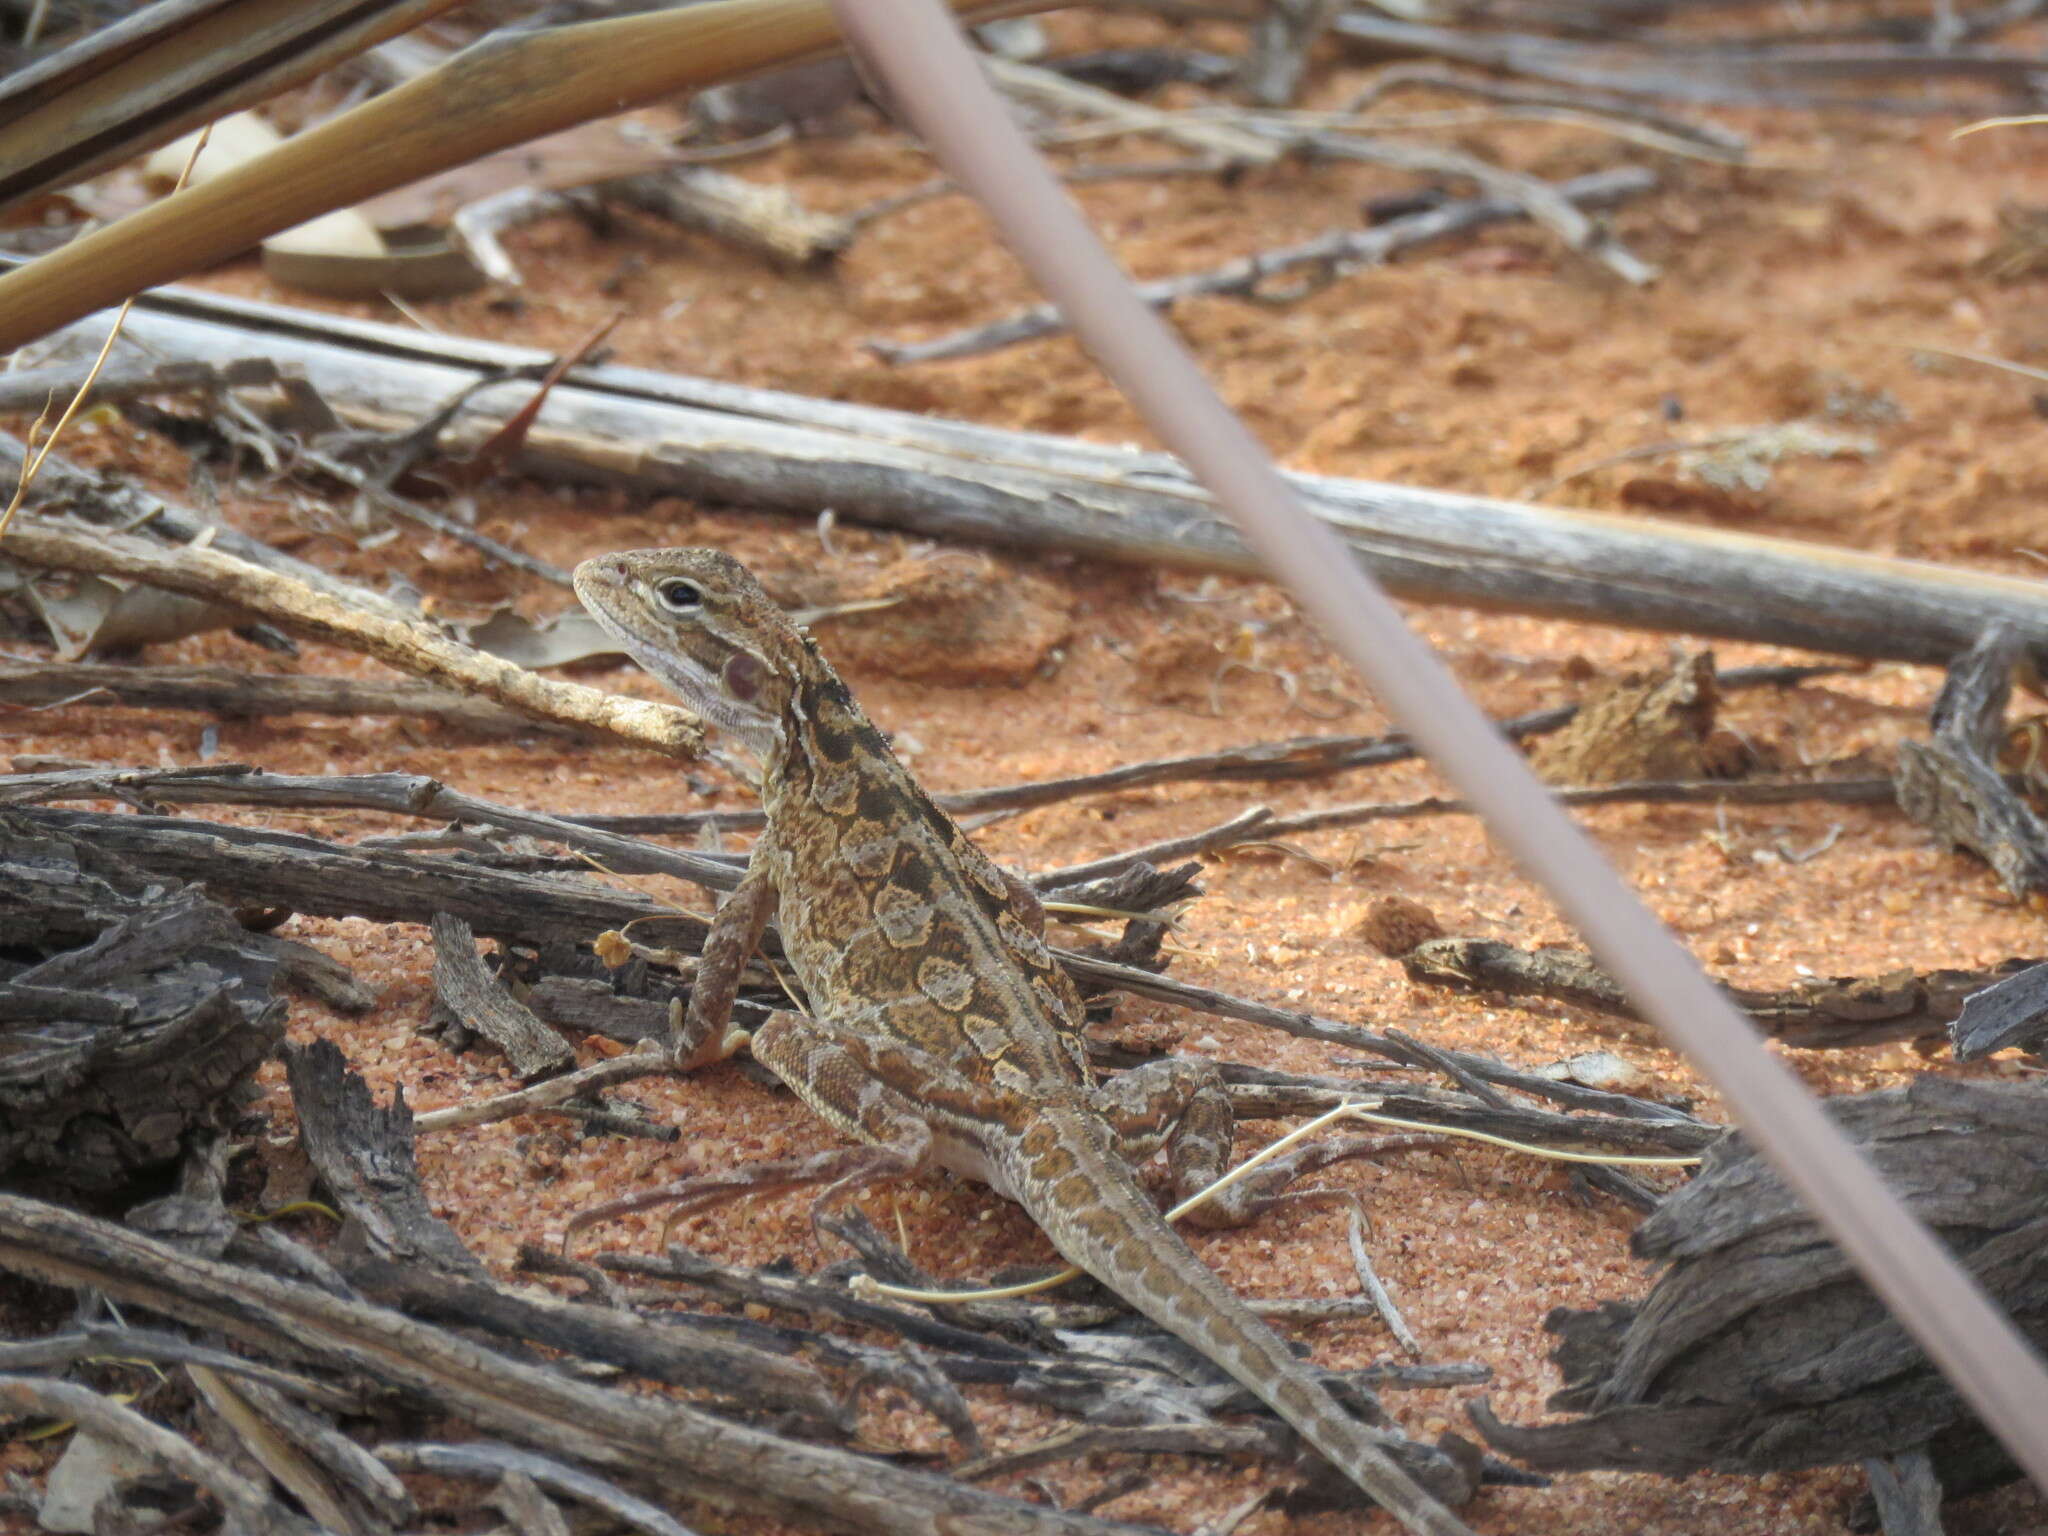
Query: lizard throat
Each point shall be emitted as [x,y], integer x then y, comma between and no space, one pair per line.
[703,689]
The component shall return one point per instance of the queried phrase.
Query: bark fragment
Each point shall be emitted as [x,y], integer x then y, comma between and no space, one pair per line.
[1759,1350]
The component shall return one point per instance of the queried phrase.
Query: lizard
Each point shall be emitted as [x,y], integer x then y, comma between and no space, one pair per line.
[941,1031]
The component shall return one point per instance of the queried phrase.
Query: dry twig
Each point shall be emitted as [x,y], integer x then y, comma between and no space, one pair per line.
[652,1440]
[1330,255]
[298,609]
[236,694]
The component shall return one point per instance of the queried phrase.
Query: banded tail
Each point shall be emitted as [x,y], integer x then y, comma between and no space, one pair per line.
[1082,1194]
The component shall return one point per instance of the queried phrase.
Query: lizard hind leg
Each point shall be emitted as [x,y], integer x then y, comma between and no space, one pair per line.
[1180,1103]
[840,1169]
[830,1073]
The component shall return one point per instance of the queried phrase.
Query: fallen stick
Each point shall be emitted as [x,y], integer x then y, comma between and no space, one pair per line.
[2013,1012]
[655,1440]
[663,433]
[1755,77]
[1710,138]
[1845,791]
[1951,784]
[548,1094]
[394,794]
[1052,92]
[327,879]
[234,694]
[248,1506]
[408,645]
[492,1463]
[1531,195]
[39,389]
[478,1000]
[1338,252]
[1817,1013]
[1259,825]
[479,224]
[1658,1127]
[123,504]
[1076,176]
[765,219]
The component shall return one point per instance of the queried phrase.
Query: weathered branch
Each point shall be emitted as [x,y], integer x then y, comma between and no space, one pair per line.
[121,504]
[399,794]
[766,219]
[484,1460]
[1779,76]
[650,1440]
[238,695]
[1257,824]
[1951,784]
[2013,1011]
[467,989]
[665,433]
[363,1153]
[1333,253]
[38,389]
[1760,1349]
[408,645]
[1669,1129]
[250,1509]
[547,1095]
[1048,91]
[1818,1013]
[323,879]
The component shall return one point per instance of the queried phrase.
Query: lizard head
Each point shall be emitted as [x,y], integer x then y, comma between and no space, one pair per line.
[697,620]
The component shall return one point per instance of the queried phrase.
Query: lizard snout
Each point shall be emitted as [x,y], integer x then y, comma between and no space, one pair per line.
[612,572]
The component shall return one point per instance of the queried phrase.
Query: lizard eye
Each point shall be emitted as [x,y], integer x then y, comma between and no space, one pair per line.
[679,596]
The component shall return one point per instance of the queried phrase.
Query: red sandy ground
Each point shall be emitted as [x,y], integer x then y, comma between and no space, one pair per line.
[1489,366]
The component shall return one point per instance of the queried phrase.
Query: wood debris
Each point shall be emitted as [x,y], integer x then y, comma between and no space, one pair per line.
[1951,784]
[1758,1349]
[2011,1012]
[140,1018]
[1819,1013]
[236,694]
[479,1001]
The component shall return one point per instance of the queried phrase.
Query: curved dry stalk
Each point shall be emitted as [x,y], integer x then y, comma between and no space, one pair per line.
[514,87]
[35,464]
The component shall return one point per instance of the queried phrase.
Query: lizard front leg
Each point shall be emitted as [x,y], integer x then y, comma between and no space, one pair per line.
[705,1033]
[1180,1102]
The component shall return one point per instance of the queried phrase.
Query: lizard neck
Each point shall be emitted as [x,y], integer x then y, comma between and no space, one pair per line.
[827,749]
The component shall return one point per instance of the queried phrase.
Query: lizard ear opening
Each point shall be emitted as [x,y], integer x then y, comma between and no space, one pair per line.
[742,676]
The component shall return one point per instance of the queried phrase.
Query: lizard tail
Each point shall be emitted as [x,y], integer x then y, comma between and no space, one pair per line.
[1100,1220]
